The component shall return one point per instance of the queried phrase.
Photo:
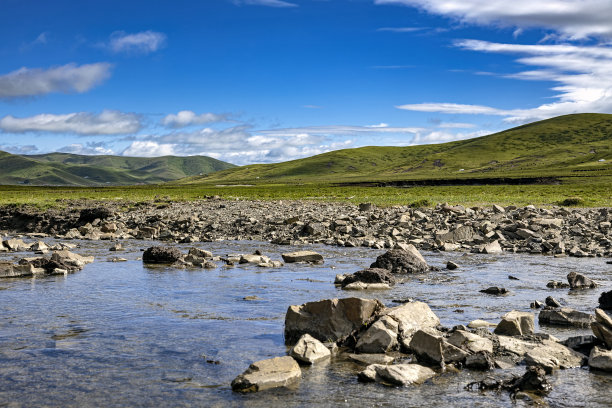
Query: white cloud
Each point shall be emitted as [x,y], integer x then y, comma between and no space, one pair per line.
[19,149]
[108,122]
[26,82]
[268,3]
[148,148]
[437,136]
[402,29]
[340,130]
[188,118]
[143,42]
[452,125]
[575,19]
[583,77]
[91,148]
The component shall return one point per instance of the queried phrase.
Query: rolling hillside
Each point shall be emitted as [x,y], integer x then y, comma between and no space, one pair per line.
[579,144]
[63,169]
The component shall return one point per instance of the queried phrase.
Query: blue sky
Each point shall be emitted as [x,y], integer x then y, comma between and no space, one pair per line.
[257,81]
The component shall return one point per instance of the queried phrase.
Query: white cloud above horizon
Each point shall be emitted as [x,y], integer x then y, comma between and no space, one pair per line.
[186,118]
[30,82]
[583,77]
[144,42]
[573,19]
[108,122]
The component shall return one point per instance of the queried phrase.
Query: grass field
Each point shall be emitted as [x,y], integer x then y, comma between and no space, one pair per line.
[575,150]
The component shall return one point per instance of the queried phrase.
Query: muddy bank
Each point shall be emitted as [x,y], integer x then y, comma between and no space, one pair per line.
[491,229]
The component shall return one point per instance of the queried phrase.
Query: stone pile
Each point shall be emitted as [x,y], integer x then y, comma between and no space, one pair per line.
[491,230]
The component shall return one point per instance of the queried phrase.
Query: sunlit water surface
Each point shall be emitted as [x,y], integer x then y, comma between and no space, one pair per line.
[121,334]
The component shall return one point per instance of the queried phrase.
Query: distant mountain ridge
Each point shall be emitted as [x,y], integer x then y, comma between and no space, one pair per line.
[577,144]
[65,169]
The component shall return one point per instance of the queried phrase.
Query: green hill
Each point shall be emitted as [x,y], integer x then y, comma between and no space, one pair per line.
[579,144]
[63,169]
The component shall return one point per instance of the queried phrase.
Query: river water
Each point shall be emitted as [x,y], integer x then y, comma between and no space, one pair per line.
[121,334]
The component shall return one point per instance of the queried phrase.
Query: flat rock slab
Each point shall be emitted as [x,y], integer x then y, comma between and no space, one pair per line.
[565,316]
[516,323]
[265,374]
[432,348]
[368,359]
[396,375]
[303,256]
[366,286]
[329,319]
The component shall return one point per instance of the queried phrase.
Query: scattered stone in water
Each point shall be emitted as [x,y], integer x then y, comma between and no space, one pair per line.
[161,255]
[309,350]
[534,380]
[251,298]
[601,359]
[365,358]
[602,327]
[494,290]
[513,277]
[579,281]
[477,324]
[266,374]
[536,304]
[565,316]
[557,285]
[408,260]
[605,300]
[303,256]
[480,361]
[552,302]
[516,323]
[451,266]
[369,276]
[396,375]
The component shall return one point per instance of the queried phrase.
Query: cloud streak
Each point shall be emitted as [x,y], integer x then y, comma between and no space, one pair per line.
[108,122]
[583,77]
[574,19]
[187,118]
[144,42]
[267,3]
[29,82]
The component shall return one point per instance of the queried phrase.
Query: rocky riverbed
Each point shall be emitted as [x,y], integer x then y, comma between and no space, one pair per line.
[490,229]
[441,300]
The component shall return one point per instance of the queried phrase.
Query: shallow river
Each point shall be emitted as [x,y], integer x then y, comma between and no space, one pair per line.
[120,334]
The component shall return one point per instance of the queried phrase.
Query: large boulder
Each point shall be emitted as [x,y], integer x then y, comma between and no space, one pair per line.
[470,341]
[411,317]
[71,259]
[329,319]
[16,245]
[431,348]
[551,355]
[369,275]
[380,337]
[407,260]
[309,350]
[161,255]
[303,256]
[492,248]
[396,375]
[516,323]
[601,359]
[602,327]
[266,374]
[565,316]
[579,281]
[605,300]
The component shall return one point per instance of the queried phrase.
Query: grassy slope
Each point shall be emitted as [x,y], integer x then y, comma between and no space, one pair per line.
[78,170]
[562,146]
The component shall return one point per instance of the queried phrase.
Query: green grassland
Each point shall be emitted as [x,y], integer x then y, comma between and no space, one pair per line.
[574,150]
[563,146]
[63,169]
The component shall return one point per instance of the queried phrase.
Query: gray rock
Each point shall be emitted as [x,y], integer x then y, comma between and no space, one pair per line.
[366,286]
[380,337]
[464,233]
[369,275]
[303,256]
[470,341]
[552,302]
[161,255]
[602,328]
[265,374]
[494,290]
[480,361]
[451,266]
[330,319]
[396,375]
[605,300]
[309,350]
[516,323]
[552,355]
[565,316]
[402,261]
[411,317]
[492,248]
[430,347]
[557,285]
[601,359]
[368,359]
[579,281]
